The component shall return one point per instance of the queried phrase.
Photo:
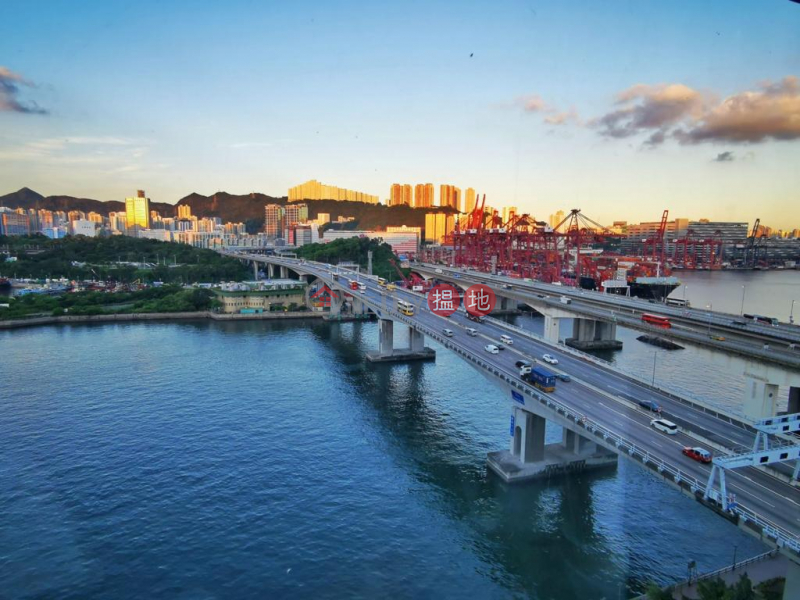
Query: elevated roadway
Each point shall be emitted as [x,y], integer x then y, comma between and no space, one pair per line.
[599,405]
[777,345]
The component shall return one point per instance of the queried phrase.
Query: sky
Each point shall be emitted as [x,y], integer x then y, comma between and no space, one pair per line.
[621,109]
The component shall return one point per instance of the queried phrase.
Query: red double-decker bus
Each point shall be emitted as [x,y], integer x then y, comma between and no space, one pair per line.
[656,320]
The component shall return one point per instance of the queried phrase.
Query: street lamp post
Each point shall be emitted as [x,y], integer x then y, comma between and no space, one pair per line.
[710,307]
[741,312]
[655,353]
[791,312]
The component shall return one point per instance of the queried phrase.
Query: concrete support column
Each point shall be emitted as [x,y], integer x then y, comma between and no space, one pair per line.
[760,398]
[794,400]
[386,337]
[416,340]
[791,590]
[527,443]
[271,271]
[336,303]
[605,330]
[583,330]
[255,271]
[551,329]
[284,273]
[576,443]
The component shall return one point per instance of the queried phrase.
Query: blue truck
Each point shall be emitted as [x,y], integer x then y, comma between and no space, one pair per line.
[541,378]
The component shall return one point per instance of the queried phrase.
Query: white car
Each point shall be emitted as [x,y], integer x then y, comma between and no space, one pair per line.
[491,349]
[550,359]
[448,332]
[667,427]
[506,340]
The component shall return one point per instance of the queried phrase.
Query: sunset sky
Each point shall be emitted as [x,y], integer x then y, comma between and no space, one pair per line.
[621,109]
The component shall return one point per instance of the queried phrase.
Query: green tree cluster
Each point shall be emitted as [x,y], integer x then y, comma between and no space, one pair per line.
[154,299]
[80,258]
[717,589]
[355,250]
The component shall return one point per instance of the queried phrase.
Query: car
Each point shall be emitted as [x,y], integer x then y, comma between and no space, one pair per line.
[500,345]
[471,332]
[391,287]
[491,349]
[564,377]
[650,405]
[506,286]
[719,338]
[522,363]
[448,332]
[362,291]
[506,340]
[667,427]
[699,454]
[550,359]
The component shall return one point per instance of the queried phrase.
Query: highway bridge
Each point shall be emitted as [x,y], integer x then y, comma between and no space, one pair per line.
[599,410]
[771,353]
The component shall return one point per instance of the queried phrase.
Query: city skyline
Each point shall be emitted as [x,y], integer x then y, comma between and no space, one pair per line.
[705,121]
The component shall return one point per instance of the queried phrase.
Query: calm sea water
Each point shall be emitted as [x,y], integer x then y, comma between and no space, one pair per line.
[268,460]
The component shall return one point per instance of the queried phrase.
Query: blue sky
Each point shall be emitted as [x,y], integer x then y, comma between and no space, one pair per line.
[176,97]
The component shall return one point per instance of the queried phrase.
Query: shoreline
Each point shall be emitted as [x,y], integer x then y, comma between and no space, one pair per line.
[177,316]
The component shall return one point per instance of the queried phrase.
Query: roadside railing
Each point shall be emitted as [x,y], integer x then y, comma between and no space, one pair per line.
[685,398]
[781,537]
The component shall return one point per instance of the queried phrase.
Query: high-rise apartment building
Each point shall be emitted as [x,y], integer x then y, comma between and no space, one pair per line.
[401,194]
[396,194]
[509,212]
[423,195]
[469,200]
[293,214]
[437,226]
[556,218]
[450,195]
[184,211]
[314,190]
[137,211]
[273,220]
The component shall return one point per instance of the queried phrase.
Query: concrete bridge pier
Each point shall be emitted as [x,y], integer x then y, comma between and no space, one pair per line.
[271,270]
[589,334]
[336,303]
[760,398]
[794,400]
[529,457]
[762,390]
[416,349]
[505,306]
[791,589]
[359,307]
[284,272]
[551,328]
[255,270]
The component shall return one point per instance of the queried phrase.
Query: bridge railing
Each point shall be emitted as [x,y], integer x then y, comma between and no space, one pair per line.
[606,437]
[610,439]
[685,398]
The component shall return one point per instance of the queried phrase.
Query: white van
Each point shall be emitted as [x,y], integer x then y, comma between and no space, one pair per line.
[663,425]
[472,332]
[448,332]
[506,340]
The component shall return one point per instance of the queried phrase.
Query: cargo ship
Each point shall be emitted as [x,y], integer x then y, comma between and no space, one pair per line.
[628,276]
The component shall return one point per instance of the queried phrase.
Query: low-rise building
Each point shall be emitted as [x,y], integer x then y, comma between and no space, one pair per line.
[261,296]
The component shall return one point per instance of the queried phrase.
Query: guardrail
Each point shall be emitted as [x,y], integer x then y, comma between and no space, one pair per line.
[688,484]
[608,438]
[680,585]
[686,399]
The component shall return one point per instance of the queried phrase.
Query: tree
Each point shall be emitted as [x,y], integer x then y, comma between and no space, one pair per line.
[712,589]
[655,592]
[742,589]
